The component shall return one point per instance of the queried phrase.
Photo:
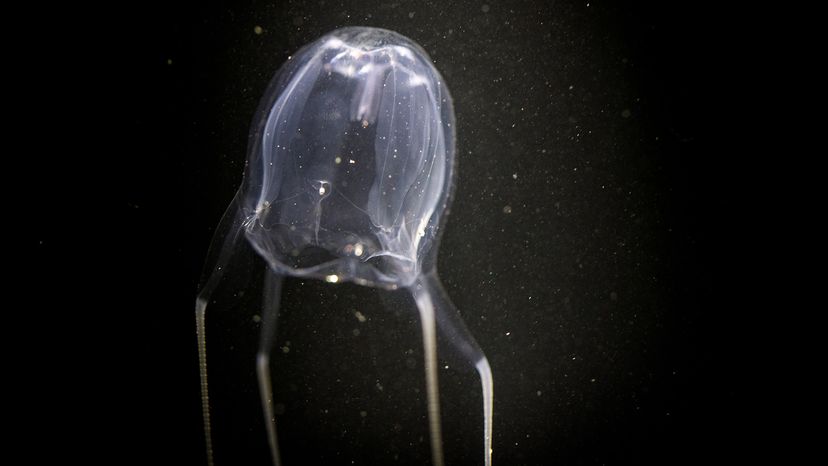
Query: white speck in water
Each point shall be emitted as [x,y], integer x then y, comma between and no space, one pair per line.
[322,190]
[258,30]
[508,333]
[358,249]
[539,393]
[257,318]
[507,209]
[360,316]
[338,160]
[332,278]
[351,161]
[514,176]
[410,14]
[285,349]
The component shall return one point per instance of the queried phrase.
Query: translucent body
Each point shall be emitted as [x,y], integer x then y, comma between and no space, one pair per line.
[349,172]
[351,161]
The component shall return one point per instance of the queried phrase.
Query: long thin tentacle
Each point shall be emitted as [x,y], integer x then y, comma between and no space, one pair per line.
[227,234]
[270,315]
[426,308]
[452,327]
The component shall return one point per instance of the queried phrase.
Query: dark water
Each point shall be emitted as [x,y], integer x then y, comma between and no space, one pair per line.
[580,247]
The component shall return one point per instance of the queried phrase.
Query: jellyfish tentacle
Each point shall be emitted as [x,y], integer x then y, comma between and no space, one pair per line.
[220,253]
[270,315]
[454,330]
[426,307]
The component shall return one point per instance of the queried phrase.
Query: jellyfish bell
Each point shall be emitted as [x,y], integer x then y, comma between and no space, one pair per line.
[351,161]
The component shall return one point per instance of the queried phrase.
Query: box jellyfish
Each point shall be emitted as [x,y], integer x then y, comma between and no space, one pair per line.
[349,174]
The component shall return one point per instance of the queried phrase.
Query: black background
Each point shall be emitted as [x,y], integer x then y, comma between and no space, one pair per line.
[603,298]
